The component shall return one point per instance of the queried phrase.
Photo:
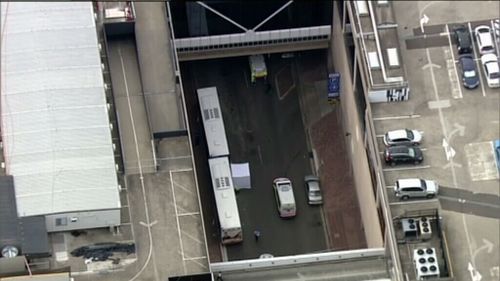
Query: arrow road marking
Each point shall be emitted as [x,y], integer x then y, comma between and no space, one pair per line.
[458,129]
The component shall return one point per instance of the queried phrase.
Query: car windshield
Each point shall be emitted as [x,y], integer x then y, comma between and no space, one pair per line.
[411,152]
[284,186]
[424,186]
[469,74]
[410,134]
[494,75]
[314,193]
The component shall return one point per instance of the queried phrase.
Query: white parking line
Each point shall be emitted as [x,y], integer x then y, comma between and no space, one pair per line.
[477,61]
[454,65]
[396,117]
[406,168]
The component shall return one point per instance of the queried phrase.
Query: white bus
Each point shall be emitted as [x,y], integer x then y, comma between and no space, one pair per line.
[225,199]
[213,122]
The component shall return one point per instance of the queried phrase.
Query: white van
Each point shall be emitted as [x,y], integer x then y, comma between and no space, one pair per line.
[285,199]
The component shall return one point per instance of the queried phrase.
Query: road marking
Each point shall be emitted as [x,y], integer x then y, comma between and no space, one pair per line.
[177,220]
[439,104]
[454,65]
[477,61]
[189,214]
[406,168]
[396,117]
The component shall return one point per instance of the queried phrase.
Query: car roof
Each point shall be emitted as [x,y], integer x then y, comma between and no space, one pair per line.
[400,149]
[285,193]
[414,182]
[313,185]
[397,134]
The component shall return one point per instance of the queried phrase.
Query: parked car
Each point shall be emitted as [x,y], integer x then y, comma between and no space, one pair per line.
[484,39]
[313,190]
[402,154]
[402,136]
[414,188]
[470,79]
[285,199]
[463,39]
[491,70]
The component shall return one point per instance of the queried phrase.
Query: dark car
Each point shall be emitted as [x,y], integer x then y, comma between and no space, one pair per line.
[403,154]
[463,38]
[469,72]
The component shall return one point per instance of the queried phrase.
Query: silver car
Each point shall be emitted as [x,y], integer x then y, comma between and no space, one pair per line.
[313,190]
[402,136]
[413,188]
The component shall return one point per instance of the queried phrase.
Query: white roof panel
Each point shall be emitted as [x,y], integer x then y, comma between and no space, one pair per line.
[55,124]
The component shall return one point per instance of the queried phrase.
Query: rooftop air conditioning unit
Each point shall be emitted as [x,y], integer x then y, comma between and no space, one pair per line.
[409,227]
[424,226]
[426,265]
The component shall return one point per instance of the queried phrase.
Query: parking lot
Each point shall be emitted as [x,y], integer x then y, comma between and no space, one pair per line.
[458,127]
[266,131]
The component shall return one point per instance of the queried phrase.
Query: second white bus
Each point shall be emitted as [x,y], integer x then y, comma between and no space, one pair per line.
[225,199]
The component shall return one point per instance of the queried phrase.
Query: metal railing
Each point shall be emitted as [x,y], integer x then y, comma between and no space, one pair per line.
[254,38]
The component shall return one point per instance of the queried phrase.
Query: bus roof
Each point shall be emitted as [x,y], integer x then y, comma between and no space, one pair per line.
[225,198]
[213,122]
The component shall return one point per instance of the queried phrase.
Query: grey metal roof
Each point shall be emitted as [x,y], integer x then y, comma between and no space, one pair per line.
[28,234]
[55,123]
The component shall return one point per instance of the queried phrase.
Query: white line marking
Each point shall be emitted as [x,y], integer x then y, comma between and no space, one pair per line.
[195,258]
[181,170]
[406,168]
[192,237]
[438,104]
[189,214]
[379,136]
[454,65]
[396,117]
[177,220]
[174,157]
[478,64]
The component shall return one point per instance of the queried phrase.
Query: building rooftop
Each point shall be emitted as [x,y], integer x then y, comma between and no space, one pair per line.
[28,234]
[54,116]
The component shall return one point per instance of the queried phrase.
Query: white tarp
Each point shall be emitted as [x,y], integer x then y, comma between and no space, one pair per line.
[241,175]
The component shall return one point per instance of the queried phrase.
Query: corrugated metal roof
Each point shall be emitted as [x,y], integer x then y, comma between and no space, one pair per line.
[55,124]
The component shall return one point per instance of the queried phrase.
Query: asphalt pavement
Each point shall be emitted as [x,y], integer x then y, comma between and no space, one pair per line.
[268,133]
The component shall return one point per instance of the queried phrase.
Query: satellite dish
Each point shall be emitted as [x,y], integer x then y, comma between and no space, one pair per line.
[9,252]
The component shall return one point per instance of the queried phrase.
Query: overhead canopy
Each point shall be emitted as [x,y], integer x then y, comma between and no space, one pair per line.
[55,124]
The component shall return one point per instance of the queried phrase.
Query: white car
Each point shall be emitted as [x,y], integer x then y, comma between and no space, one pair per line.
[285,199]
[484,39]
[491,70]
[412,188]
[402,136]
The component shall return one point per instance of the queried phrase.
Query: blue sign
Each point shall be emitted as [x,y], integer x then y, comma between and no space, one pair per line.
[333,85]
